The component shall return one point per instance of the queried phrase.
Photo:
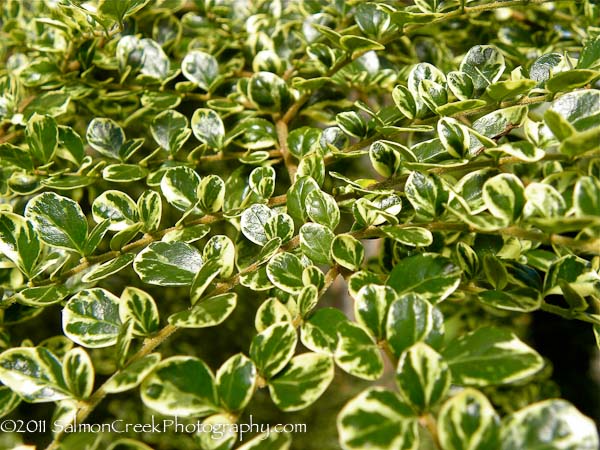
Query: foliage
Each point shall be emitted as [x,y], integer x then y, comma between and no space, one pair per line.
[175,165]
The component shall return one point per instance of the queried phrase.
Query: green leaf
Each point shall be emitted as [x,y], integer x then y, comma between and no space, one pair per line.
[319,332]
[582,142]
[432,276]
[491,356]
[280,225]
[357,353]
[422,376]
[454,136]
[120,9]
[497,123]
[53,103]
[484,64]
[313,165]
[208,128]
[296,197]
[580,108]
[405,101]
[285,271]
[221,248]
[123,173]
[545,200]
[461,85]
[589,58]
[139,307]
[91,318]
[352,123]
[58,220]
[34,373]
[271,311]
[552,424]
[42,295]
[309,296]
[262,181]
[467,421]
[19,242]
[371,308]
[523,150]
[426,194]
[269,92]
[253,223]
[358,45]
[347,251]
[323,209]
[170,130]
[412,319]
[509,88]
[315,242]
[155,63]
[116,207]
[273,348]
[255,134]
[132,375]
[42,137]
[574,270]
[504,196]
[521,299]
[432,94]
[586,196]
[180,186]
[236,381]
[372,19]
[181,386]
[302,382]
[13,155]
[385,157]
[168,263]
[200,68]
[78,373]
[206,313]
[377,419]
[188,234]
[106,137]
[303,141]
[149,208]
[559,126]
[108,268]
[211,194]
[420,72]
[9,400]
[570,80]
[546,66]
[411,236]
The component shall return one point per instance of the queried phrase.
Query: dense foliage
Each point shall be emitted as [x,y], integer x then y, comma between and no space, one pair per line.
[173,165]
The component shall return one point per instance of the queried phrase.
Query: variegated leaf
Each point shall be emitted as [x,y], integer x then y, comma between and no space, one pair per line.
[467,421]
[302,381]
[422,376]
[377,419]
[91,318]
[181,386]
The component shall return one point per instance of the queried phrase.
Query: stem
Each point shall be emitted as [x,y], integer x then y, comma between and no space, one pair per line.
[288,159]
[429,422]
[569,313]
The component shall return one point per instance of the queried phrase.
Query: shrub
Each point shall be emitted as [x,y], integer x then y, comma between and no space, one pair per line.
[178,165]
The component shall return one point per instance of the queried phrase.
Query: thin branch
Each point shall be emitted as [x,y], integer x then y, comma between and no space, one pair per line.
[288,158]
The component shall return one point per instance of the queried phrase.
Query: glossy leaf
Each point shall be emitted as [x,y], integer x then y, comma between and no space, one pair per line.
[91,318]
[491,356]
[181,386]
